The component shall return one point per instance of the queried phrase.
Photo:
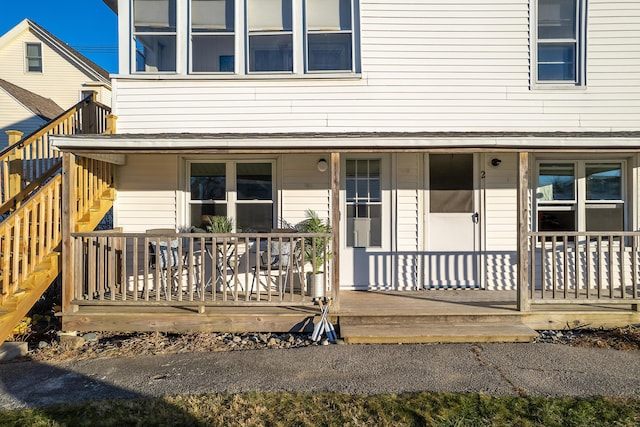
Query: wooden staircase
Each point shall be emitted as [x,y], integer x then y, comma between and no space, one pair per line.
[459,328]
[31,207]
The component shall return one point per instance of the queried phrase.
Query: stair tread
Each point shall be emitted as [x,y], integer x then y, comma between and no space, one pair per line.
[438,332]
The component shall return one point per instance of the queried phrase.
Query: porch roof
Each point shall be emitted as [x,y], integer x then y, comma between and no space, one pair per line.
[349,141]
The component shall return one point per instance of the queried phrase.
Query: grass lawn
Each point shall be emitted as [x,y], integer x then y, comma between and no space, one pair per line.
[334,409]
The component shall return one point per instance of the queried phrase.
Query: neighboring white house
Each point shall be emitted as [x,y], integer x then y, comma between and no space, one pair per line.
[427,103]
[35,60]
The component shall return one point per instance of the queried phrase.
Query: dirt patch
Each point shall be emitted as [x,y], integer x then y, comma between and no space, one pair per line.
[627,338]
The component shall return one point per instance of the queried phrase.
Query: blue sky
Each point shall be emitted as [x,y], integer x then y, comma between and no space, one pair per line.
[88,26]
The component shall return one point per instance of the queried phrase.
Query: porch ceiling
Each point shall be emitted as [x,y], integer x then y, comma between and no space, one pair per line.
[367,141]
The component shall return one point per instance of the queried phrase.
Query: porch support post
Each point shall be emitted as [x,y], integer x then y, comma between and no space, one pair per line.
[524,303]
[15,165]
[335,229]
[69,208]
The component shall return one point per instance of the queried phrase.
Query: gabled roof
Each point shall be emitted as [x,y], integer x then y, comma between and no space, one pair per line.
[72,55]
[38,105]
[113,4]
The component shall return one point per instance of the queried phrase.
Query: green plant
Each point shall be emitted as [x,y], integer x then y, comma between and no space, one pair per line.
[316,249]
[217,224]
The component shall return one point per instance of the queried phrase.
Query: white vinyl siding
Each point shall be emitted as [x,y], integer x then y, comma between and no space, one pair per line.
[500,221]
[426,66]
[303,187]
[407,224]
[147,193]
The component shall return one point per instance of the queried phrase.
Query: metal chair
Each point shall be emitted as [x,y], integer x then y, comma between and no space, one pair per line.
[164,256]
[282,258]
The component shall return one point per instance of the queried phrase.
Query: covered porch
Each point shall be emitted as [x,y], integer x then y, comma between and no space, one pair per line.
[550,278]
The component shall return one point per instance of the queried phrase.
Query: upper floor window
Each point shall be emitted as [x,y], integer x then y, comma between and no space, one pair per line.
[212,36]
[245,36]
[559,41]
[270,35]
[329,35]
[154,35]
[33,57]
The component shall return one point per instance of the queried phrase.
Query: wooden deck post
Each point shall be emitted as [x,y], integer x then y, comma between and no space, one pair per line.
[15,164]
[335,229]
[69,209]
[524,303]
[90,116]
[111,124]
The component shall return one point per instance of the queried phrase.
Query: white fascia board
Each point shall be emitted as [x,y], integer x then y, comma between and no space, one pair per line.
[328,142]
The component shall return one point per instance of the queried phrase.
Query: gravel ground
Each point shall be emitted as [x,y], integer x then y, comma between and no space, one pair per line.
[48,346]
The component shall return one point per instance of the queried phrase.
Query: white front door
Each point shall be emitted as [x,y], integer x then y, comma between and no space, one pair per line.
[452,255]
[366,259]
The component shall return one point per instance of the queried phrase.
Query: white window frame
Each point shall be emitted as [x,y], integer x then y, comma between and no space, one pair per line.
[27,57]
[580,50]
[135,34]
[231,200]
[184,50]
[213,33]
[579,204]
[350,31]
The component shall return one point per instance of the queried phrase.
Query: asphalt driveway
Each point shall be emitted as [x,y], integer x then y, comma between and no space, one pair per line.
[497,369]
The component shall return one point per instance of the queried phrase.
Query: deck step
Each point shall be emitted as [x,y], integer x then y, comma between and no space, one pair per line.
[435,333]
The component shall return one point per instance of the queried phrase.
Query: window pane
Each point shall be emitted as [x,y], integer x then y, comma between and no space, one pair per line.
[198,211]
[269,15]
[351,190]
[208,181]
[351,168]
[556,182]
[155,53]
[331,51]
[271,53]
[212,15]
[451,183]
[557,61]
[254,181]
[213,54]
[326,15]
[604,217]
[33,50]
[154,15]
[556,19]
[557,220]
[34,65]
[254,217]
[604,181]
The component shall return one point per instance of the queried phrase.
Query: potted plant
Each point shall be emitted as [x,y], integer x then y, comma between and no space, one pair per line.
[316,251]
[217,224]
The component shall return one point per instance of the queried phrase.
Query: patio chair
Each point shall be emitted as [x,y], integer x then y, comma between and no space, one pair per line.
[164,256]
[278,262]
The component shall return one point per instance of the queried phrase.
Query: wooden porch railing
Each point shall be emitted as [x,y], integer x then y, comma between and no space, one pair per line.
[584,268]
[198,269]
[29,162]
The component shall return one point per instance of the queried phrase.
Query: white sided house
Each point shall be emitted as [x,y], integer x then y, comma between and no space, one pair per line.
[484,146]
[36,61]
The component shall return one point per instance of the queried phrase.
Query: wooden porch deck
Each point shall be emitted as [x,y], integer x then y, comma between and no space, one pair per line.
[365,317]
[462,316]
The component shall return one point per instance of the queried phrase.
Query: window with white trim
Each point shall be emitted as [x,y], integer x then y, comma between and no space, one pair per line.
[329,35]
[33,57]
[212,36]
[154,35]
[245,36]
[580,196]
[243,191]
[364,203]
[560,28]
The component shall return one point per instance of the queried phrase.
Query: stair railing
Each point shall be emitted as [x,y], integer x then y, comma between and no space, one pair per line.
[33,231]
[31,161]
